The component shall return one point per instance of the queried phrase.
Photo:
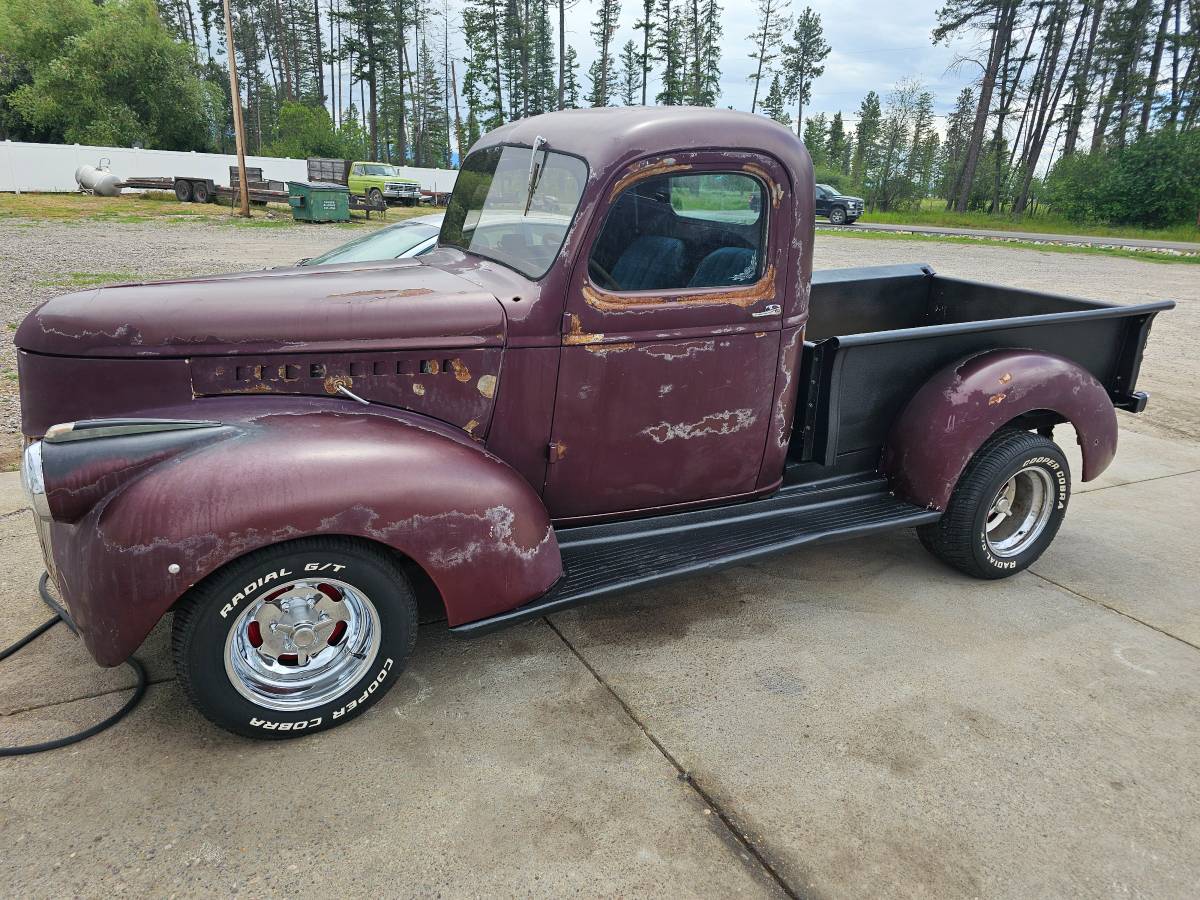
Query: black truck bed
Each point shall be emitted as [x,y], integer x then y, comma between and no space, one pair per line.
[875,335]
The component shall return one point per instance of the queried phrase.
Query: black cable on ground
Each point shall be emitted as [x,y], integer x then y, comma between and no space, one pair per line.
[138,691]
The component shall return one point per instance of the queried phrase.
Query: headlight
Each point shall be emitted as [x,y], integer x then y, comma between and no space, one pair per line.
[33,480]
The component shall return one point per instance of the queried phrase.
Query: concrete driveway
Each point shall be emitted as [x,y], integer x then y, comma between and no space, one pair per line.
[844,721]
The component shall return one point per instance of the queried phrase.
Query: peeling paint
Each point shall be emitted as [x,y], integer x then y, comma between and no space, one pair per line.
[728,422]
[333,382]
[672,352]
[418,389]
[1006,378]
[470,427]
[996,398]
[383,294]
[487,385]
[461,372]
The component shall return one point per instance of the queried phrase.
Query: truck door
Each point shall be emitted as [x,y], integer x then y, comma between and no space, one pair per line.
[671,337]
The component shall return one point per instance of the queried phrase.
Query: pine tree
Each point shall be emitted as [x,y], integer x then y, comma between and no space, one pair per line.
[774,104]
[482,82]
[836,144]
[816,138]
[603,74]
[866,134]
[669,46]
[631,73]
[803,60]
[646,57]
[767,39]
[571,86]
[958,133]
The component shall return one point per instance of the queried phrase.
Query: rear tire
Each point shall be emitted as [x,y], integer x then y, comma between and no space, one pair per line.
[183,190]
[1006,508]
[295,638]
[200,192]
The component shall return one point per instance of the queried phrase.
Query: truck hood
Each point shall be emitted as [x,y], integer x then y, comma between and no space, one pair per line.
[389,305]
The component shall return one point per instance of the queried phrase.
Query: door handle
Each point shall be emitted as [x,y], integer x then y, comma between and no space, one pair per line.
[772,310]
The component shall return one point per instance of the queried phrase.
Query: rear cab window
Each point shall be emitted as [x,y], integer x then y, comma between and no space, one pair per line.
[681,232]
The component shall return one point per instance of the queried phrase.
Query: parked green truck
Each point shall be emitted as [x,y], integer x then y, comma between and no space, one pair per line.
[379,183]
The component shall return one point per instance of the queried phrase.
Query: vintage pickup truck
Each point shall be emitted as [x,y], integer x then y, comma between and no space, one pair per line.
[616,369]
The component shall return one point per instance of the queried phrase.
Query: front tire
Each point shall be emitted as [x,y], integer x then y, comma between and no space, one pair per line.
[295,638]
[837,216]
[375,197]
[1006,508]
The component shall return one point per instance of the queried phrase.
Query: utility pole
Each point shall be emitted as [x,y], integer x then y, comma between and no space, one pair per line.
[236,97]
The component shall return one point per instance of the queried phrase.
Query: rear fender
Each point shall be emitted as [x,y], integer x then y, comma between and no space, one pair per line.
[280,472]
[960,407]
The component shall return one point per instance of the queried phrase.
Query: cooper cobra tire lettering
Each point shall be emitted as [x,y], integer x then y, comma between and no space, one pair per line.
[205,620]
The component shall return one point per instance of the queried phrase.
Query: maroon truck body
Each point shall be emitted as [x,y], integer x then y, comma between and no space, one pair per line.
[511,422]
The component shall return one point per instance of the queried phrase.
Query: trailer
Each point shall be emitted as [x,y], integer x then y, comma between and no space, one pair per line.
[190,189]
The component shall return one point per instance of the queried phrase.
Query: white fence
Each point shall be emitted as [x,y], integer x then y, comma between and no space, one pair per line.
[51,167]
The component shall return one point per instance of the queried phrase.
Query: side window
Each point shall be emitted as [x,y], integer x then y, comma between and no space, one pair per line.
[674,232]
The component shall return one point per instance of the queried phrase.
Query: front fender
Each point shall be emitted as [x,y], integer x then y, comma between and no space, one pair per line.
[960,407]
[476,528]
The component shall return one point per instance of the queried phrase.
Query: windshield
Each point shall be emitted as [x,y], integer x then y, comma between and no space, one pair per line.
[387,243]
[495,213]
[378,169]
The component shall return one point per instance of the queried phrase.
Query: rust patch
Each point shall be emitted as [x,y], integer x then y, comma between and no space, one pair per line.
[470,427]
[576,334]
[605,349]
[418,389]
[461,372]
[760,334]
[384,294]
[745,297]
[1006,378]
[333,382]
[487,385]
[559,450]
[996,399]
[647,168]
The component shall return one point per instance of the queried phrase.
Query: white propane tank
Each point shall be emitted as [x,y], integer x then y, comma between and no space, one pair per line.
[98,181]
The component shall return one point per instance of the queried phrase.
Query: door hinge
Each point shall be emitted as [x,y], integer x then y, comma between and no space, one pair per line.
[557,450]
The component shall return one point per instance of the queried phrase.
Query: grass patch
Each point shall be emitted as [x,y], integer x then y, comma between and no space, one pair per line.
[1143,255]
[933,212]
[157,206]
[86,279]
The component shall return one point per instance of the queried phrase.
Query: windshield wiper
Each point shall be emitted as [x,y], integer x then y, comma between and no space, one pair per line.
[535,173]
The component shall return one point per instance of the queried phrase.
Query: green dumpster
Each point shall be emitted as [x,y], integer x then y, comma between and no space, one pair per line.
[319,201]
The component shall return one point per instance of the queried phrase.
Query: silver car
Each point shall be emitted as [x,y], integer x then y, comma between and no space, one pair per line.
[412,237]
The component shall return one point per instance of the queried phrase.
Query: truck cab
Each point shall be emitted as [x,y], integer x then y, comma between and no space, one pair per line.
[617,368]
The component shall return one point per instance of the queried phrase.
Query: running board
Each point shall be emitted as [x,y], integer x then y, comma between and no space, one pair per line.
[618,556]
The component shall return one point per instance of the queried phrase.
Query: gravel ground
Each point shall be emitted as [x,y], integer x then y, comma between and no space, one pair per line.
[43,259]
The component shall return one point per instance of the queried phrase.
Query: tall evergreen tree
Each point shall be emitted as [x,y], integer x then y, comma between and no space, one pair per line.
[775,104]
[837,144]
[646,57]
[766,41]
[603,72]
[630,78]
[669,46]
[803,60]
[866,135]
[572,91]
[816,139]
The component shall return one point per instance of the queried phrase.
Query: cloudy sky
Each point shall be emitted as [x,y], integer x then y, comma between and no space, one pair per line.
[875,44]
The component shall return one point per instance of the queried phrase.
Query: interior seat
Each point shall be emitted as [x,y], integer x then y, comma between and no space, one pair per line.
[725,267]
[651,262]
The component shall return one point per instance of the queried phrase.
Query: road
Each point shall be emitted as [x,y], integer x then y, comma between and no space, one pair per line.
[1077,239]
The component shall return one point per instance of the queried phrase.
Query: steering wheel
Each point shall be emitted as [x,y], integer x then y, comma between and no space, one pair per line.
[601,276]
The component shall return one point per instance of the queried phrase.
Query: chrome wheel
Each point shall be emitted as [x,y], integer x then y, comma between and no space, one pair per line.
[297,646]
[1019,512]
